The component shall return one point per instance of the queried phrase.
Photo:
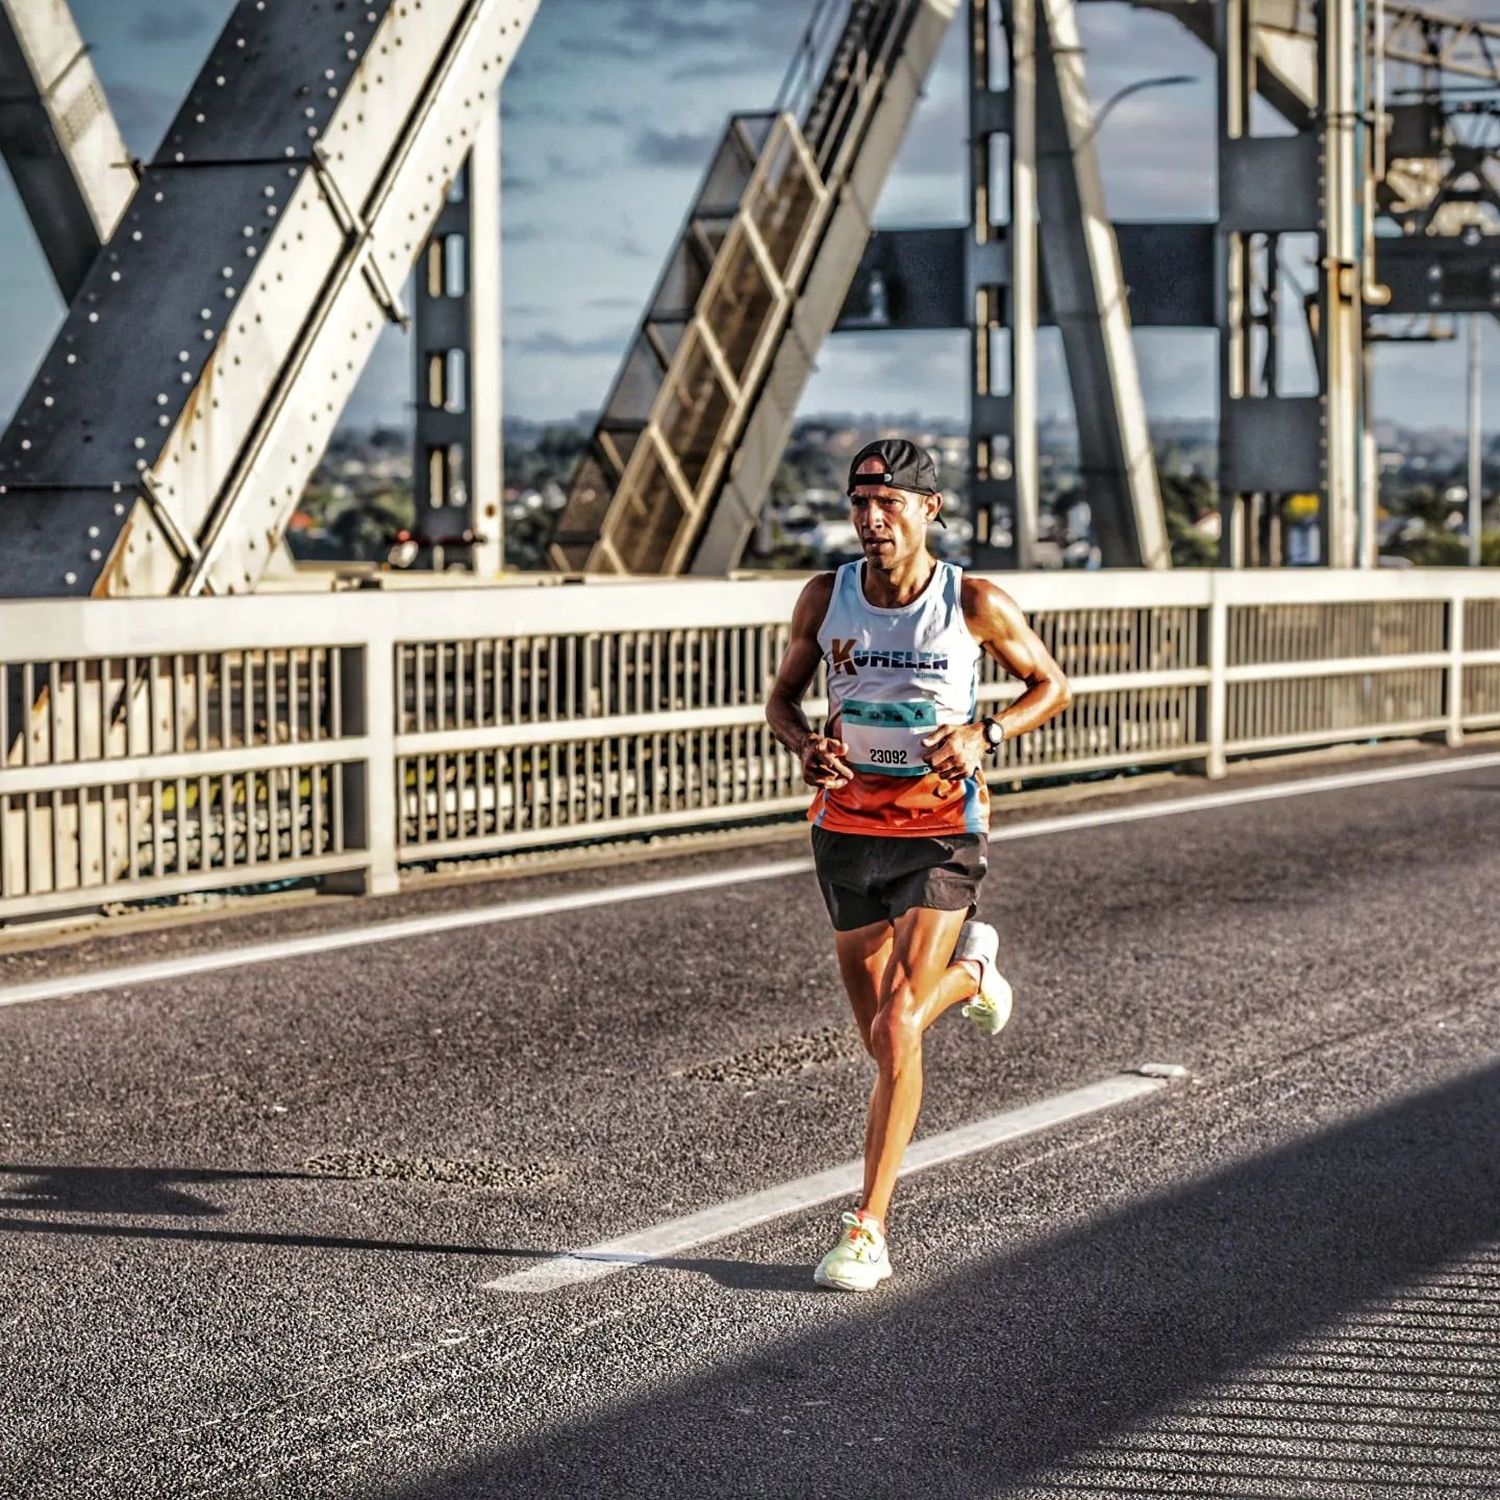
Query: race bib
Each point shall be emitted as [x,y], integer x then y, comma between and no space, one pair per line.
[886,738]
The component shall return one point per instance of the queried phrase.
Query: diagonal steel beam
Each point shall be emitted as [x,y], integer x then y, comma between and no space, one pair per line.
[59,138]
[1089,302]
[164,443]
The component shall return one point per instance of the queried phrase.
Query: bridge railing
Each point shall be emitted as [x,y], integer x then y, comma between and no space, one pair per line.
[150,748]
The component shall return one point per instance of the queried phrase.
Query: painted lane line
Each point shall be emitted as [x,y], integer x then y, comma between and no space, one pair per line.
[513,911]
[387,932]
[730,1218]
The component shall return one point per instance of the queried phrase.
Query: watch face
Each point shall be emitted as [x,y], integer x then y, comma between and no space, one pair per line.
[993,732]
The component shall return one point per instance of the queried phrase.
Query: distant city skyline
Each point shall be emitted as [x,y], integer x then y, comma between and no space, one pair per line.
[609,116]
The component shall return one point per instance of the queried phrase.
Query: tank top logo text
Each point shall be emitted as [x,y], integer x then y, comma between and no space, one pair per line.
[844,659]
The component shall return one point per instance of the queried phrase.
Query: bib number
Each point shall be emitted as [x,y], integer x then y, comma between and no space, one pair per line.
[886,738]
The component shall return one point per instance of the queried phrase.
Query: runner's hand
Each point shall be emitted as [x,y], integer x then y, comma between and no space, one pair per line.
[823,763]
[955,751]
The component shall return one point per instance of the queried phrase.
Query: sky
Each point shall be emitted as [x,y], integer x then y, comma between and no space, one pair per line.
[609,114]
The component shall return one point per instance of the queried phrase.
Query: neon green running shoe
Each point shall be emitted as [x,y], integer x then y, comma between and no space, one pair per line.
[990,1009]
[858,1262]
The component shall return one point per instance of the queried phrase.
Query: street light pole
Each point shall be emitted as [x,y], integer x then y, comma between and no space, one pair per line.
[1476,507]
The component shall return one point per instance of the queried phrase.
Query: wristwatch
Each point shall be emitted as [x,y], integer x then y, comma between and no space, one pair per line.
[994,732]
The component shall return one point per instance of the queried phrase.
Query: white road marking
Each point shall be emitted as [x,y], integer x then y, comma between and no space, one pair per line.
[726,1219]
[514,911]
[387,932]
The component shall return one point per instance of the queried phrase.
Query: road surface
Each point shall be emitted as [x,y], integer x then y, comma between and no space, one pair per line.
[263,1225]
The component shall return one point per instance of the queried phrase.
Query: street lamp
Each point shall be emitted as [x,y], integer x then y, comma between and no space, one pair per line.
[1169,80]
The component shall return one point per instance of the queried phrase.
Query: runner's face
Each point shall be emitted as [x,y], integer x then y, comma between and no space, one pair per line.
[892,523]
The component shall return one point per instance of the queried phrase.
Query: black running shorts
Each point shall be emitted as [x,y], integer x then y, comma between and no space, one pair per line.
[867,879]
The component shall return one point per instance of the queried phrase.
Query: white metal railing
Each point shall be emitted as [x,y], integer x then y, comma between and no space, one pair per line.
[152,747]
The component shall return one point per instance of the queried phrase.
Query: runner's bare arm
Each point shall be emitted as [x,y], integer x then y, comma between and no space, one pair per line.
[1000,628]
[822,758]
[997,623]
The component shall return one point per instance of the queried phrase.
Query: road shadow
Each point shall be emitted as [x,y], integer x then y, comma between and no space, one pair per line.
[163,1191]
[119,1190]
[1022,1359]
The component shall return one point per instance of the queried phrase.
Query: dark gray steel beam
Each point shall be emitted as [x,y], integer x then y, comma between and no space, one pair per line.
[913,278]
[1089,300]
[59,139]
[172,426]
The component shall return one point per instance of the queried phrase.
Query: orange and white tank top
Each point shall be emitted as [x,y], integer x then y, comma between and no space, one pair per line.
[894,675]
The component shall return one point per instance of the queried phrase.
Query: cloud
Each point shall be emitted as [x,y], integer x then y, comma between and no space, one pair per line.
[670,29]
[603,114]
[570,348]
[560,169]
[175,23]
[613,303]
[748,72]
[674,148]
[612,48]
[626,243]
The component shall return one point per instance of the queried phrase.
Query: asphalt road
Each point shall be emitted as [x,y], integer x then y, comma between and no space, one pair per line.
[246,1215]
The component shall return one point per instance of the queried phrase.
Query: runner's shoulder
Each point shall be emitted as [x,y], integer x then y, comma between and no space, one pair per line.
[988,610]
[981,596]
[813,602]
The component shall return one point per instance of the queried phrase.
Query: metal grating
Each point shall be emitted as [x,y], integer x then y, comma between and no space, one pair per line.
[252,824]
[1334,631]
[1481,624]
[1481,692]
[1106,727]
[113,708]
[526,794]
[1086,642]
[1289,710]
[536,679]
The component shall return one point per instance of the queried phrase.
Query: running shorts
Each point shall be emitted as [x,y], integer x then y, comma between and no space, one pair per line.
[867,879]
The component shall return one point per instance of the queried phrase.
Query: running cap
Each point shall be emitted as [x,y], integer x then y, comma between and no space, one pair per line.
[905,466]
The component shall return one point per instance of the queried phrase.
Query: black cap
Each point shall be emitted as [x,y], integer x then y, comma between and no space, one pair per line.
[906,467]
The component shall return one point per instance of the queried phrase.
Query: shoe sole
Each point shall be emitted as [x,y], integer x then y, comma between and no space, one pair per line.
[1005,1015]
[847,1286]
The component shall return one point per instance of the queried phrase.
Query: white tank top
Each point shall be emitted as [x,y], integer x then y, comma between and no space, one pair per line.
[895,674]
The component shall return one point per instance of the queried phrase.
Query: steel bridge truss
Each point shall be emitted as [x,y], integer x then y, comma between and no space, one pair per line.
[175,421]
[59,138]
[679,464]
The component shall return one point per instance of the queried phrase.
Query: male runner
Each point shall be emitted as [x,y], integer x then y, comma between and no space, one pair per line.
[901,814]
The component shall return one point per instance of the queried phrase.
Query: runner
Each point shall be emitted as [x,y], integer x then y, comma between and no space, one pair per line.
[901,814]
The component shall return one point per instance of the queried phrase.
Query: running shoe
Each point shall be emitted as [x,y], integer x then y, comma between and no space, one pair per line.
[990,1009]
[858,1262]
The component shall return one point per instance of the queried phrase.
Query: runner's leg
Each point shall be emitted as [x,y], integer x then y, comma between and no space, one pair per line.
[863,955]
[915,980]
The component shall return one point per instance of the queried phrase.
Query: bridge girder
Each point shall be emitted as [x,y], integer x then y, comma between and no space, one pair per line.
[59,137]
[174,423]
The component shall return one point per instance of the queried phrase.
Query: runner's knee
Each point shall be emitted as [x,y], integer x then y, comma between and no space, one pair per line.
[896,1032]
